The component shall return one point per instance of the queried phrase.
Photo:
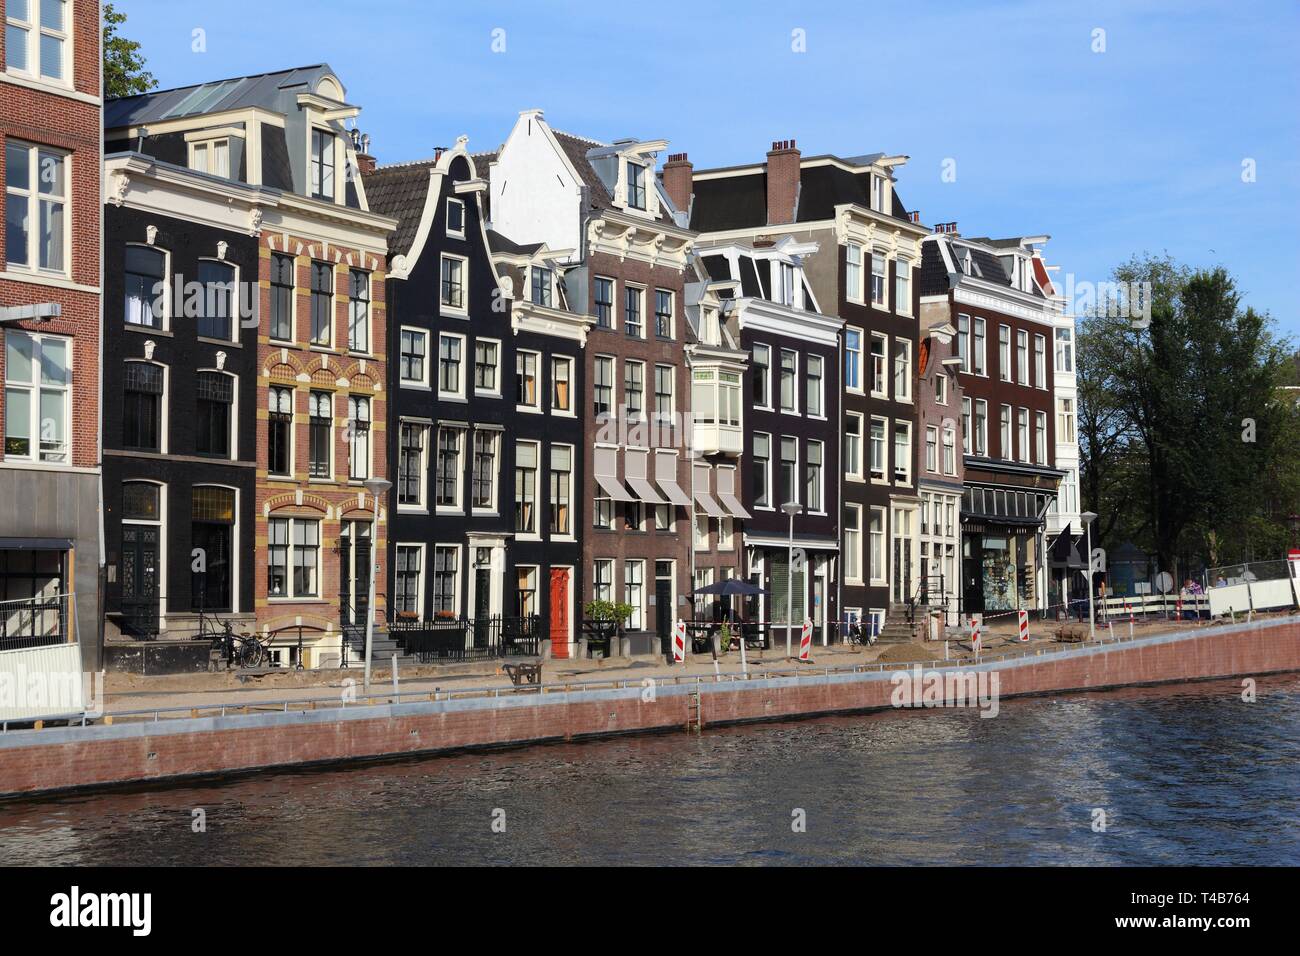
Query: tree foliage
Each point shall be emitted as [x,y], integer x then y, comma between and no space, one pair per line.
[124,72]
[1189,447]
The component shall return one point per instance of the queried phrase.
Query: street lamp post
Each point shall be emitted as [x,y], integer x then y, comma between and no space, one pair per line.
[378,487]
[1088,518]
[790,508]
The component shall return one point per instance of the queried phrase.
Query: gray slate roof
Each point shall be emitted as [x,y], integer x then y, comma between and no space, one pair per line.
[267,90]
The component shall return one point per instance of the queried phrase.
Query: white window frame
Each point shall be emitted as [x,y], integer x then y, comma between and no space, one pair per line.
[860,356]
[536,406]
[447,308]
[980,347]
[165,297]
[460,233]
[290,550]
[906,378]
[982,427]
[1006,433]
[1023,438]
[871,536]
[420,595]
[423,381]
[881,476]
[767,469]
[820,379]
[369,462]
[1004,352]
[906,469]
[853,464]
[821,478]
[455,580]
[883,301]
[793,409]
[567,361]
[32,193]
[1022,357]
[932,449]
[422,505]
[35,387]
[903,286]
[35,30]
[494,494]
[853,271]
[208,148]
[1040,361]
[963,342]
[462,381]
[853,553]
[1040,437]
[885,372]
[458,506]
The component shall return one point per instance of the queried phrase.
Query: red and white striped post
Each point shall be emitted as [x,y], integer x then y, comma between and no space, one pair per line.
[679,642]
[975,636]
[1023,617]
[805,640]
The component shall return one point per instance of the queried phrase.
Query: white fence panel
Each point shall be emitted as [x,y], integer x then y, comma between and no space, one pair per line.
[1266,595]
[1227,597]
[38,682]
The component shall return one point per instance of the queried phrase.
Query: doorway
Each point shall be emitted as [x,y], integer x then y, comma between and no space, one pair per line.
[354,572]
[559,606]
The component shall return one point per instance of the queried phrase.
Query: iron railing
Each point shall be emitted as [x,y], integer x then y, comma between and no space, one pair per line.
[35,622]
[468,639]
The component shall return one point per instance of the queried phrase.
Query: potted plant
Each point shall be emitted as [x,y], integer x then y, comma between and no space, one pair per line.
[605,620]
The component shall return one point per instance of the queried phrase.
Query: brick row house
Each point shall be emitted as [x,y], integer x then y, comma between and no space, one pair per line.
[863,256]
[991,292]
[489,450]
[50,282]
[245,350]
[615,245]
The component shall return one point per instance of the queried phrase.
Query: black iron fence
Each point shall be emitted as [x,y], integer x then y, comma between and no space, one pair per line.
[468,639]
[35,622]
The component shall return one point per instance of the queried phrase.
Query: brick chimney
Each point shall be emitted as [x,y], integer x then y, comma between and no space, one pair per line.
[679,181]
[782,182]
[365,161]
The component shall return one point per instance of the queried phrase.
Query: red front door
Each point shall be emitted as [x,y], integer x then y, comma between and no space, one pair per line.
[560,612]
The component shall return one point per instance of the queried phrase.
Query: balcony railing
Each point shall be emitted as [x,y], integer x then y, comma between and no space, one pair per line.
[468,639]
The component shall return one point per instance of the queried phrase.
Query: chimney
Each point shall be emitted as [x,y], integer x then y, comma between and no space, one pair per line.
[782,182]
[679,181]
[915,215]
[365,161]
[945,228]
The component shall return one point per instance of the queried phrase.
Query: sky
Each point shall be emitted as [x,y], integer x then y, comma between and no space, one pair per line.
[1116,128]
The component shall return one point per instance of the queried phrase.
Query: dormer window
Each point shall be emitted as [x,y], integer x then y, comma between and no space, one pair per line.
[455,217]
[322,165]
[786,290]
[211,157]
[877,193]
[543,281]
[635,185]
[968,264]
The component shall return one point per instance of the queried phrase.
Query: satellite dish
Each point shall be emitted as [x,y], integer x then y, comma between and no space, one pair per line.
[1164,582]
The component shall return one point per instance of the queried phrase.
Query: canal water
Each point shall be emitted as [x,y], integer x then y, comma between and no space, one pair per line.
[1187,775]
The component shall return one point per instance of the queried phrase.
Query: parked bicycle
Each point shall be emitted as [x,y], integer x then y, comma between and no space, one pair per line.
[238,650]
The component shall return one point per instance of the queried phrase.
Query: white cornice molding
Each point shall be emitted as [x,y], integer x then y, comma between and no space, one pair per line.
[769,316]
[986,295]
[541,320]
[53,89]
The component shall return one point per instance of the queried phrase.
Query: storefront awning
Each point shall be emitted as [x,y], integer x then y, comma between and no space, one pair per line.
[727,492]
[701,491]
[35,544]
[666,479]
[637,463]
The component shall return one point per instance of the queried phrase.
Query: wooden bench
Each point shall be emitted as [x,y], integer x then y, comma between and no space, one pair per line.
[524,673]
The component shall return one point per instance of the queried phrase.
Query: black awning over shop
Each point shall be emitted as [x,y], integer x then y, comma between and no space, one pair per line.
[35,544]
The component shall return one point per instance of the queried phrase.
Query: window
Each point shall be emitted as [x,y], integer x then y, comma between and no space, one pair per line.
[281,297]
[1065,350]
[966,426]
[604,386]
[525,591]
[1004,352]
[665,404]
[447,477]
[446,567]
[145,284]
[878,450]
[1004,434]
[981,426]
[483,475]
[663,314]
[853,444]
[526,379]
[543,281]
[561,489]
[450,349]
[412,438]
[1040,362]
[1065,420]
[216,308]
[561,384]
[603,511]
[636,185]
[853,271]
[877,552]
[853,543]
[526,455]
[853,360]
[212,156]
[789,378]
[142,411]
[358,438]
[452,286]
[602,579]
[902,451]
[1040,437]
[320,426]
[813,385]
[292,543]
[788,490]
[634,311]
[902,286]
[38,376]
[322,303]
[762,376]
[902,370]
[603,300]
[358,311]
[949,452]
[413,347]
[941,386]
[879,365]
[879,277]
[215,398]
[785,291]
[963,341]
[877,198]
[932,449]
[634,593]
[980,350]
[1022,433]
[813,477]
[634,390]
[279,448]
[1022,357]
[762,470]
[455,217]
[322,165]
[37,49]
[485,366]
[406,579]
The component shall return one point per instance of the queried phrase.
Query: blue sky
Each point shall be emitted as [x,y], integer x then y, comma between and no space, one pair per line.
[1137,148]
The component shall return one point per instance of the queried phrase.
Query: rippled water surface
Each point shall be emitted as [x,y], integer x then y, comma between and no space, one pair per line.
[1190,775]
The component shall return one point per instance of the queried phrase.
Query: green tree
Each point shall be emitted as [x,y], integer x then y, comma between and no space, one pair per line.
[124,72]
